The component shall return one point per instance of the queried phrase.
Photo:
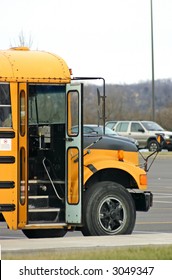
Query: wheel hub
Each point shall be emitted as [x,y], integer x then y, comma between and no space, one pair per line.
[111,215]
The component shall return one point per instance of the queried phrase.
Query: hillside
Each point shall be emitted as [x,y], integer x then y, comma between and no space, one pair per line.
[132,101]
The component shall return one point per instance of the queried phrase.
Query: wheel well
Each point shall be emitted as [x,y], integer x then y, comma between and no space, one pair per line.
[116,175]
[150,139]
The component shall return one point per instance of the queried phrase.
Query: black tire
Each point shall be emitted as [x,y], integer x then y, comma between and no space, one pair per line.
[153,145]
[44,233]
[109,209]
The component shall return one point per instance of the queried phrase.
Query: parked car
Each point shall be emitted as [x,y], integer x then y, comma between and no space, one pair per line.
[97,130]
[110,124]
[145,132]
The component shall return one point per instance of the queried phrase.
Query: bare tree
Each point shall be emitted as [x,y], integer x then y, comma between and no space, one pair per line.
[22,41]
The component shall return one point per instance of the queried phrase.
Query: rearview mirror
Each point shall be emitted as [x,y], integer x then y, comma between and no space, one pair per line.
[160,139]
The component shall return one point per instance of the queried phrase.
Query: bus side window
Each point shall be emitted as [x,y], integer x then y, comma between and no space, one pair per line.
[5,106]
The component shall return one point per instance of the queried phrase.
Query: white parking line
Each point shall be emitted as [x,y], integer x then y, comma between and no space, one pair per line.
[159,201]
[146,232]
[163,194]
[9,237]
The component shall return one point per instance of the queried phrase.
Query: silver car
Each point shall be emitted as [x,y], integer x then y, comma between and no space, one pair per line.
[145,132]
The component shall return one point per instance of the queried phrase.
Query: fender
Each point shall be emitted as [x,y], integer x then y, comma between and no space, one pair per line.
[134,171]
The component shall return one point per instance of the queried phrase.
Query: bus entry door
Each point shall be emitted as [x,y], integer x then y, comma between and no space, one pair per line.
[74,156]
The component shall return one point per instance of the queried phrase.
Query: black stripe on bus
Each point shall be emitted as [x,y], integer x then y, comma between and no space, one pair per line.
[92,168]
[7,159]
[7,184]
[7,134]
[7,207]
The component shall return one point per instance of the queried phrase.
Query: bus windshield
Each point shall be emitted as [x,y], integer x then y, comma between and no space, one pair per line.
[46,104]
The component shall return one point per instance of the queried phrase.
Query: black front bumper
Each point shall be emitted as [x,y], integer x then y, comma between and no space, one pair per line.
[143,200]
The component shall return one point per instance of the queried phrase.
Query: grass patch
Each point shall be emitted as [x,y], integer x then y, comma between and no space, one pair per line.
[129,253]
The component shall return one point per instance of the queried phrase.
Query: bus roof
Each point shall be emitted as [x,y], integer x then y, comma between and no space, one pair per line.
[23,65]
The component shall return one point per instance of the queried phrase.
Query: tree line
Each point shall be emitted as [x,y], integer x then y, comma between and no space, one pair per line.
[131,102]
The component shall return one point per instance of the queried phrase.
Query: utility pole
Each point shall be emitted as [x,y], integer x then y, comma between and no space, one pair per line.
[152,56]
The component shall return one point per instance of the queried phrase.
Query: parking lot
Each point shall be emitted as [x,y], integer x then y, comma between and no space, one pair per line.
[157,220]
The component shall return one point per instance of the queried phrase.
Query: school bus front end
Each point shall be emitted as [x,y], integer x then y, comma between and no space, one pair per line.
[34,89]
[52,181]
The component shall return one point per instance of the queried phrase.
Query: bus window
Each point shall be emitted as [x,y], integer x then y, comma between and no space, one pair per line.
[46,104]
[5,106]
[73,113]
[22,113]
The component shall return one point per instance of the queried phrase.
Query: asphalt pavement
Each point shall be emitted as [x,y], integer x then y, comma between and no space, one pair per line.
[152,228]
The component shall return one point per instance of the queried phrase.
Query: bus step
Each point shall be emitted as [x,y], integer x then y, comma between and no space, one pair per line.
[44,187]
[42,224]
[52,209]
[40,182]
[38,201]
[47,214]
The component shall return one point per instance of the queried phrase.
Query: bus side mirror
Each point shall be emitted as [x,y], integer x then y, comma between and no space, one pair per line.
[160,139]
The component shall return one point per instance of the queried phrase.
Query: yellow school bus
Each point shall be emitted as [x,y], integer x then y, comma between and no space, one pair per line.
[53,180]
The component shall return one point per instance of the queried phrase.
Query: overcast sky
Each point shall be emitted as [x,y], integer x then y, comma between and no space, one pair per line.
[108,38]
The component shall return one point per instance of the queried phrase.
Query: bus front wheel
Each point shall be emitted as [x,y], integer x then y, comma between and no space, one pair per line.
[109,209]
